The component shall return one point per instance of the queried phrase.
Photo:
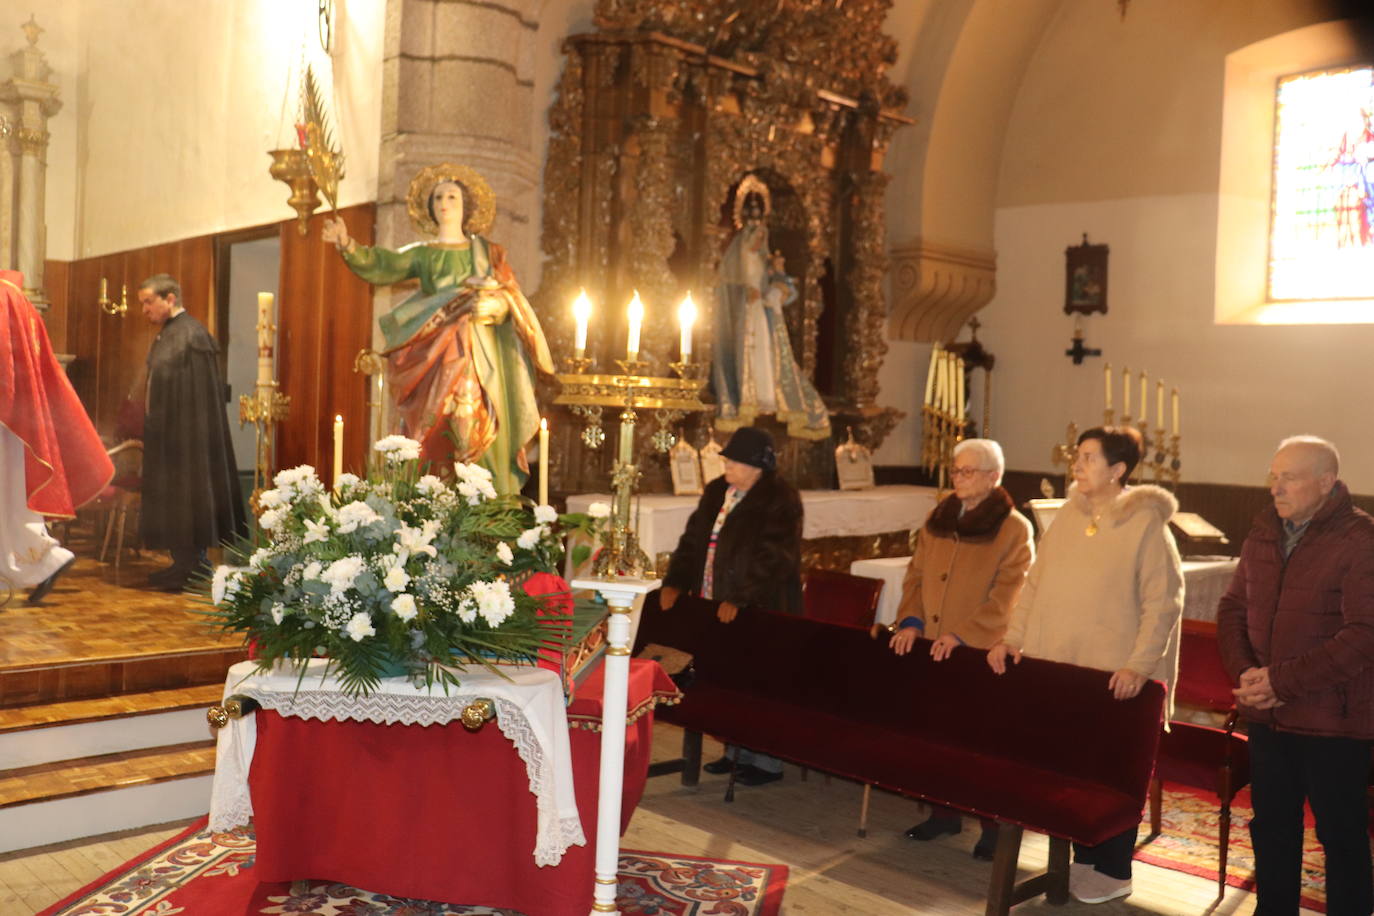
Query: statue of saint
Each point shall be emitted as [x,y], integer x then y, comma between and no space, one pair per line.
[462,351]
[755,372]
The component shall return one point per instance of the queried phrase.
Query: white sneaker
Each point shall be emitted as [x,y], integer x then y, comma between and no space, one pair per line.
[1094,887]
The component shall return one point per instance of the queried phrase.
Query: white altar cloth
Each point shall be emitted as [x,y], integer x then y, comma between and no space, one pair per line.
[1204,582]
[661,517]
[530,712]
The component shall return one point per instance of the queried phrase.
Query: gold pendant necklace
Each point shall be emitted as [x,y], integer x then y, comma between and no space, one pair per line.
[1091,530]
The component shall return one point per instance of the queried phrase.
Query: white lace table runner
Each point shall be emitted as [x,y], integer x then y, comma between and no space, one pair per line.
[529,711]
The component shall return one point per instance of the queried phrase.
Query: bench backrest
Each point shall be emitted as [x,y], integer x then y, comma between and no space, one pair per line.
[1043,714]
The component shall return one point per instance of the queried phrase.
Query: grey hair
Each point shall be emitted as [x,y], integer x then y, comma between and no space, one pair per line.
[989,452]
[163,285]
[1328,460]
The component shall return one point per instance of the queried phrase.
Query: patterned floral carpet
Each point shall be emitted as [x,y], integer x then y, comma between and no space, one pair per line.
[1187,842]
[200,873]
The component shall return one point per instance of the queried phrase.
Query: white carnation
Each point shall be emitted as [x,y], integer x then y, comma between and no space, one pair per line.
[356,515]
[545,514]
[271,519]
[505,554]
[341,573]
[346,480]
[271,499]
[430,485]
[225,583]
[398,448]
[312,570]
[529,537]
[403,606]
[360,627]
[598,510]
[259,558]
[492,600]
[278,612]
[396,579]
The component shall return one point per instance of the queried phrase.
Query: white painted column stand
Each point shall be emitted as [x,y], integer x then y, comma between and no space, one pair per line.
[620,593]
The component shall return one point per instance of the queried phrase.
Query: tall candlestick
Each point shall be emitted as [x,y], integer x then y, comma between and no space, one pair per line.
[636,316]
[1159,405]
[1144,400]
[1126,393]
[1107,372]
[543,462]
[959,390]
[338,449]
[930,374]
[582,313]
[264,338]
[686,316]
[1174,401]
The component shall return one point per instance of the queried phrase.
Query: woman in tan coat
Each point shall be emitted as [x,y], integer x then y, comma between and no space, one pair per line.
[970,560]
[1106,593]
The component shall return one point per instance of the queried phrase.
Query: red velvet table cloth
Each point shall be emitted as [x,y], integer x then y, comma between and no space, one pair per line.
[436,812]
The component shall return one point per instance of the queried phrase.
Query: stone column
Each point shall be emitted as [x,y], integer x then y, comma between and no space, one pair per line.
[458,86]
[34,100]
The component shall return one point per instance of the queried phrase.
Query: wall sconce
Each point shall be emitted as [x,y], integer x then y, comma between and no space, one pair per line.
[108,305]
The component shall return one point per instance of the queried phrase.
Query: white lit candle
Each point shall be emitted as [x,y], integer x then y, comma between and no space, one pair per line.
[1107,377]
[543,462]
[1175,406]
[686,317]
[1126,394]
[930,374]
[1144,399]
[636,315]
[1159,405]
[338,449]
[582,313]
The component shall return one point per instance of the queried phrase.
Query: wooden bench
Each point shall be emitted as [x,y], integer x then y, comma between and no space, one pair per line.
[1043,747]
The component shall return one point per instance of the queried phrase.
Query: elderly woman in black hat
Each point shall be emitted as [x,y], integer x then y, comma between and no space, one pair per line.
[742,547]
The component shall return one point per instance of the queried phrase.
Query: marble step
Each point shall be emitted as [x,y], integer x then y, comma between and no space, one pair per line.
[53,802]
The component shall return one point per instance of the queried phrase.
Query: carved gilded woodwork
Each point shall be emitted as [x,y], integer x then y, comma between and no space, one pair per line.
[651,134]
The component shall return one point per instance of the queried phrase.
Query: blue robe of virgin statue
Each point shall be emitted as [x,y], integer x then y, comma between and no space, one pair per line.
[754,372]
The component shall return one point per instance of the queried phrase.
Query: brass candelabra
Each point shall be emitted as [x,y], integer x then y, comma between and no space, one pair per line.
[1160,459]
[942,414]
[630,390]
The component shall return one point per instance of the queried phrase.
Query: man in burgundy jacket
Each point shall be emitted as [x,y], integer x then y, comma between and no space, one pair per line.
[1296,632]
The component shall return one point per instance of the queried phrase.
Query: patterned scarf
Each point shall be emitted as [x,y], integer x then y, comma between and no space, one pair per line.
[732,498]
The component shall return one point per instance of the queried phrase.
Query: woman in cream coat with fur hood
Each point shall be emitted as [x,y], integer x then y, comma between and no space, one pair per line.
[1106,592]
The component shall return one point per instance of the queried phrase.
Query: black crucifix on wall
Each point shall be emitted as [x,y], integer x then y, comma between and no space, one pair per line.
[1078,351]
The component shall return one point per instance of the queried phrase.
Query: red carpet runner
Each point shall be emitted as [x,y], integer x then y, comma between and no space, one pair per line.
[1188,843]
[209,874]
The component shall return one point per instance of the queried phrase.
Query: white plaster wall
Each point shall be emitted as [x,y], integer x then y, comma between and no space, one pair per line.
[1243,387]
[170,106]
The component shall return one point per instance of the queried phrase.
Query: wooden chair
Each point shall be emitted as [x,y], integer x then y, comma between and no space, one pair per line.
[1201,756]
[124,493]
[839,598]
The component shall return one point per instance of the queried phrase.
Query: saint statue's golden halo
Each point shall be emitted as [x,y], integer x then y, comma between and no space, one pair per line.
[476,222]
[751,184]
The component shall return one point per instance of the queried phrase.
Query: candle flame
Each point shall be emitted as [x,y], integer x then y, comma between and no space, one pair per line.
[543,425]
[582,306]
[636,311]
[687,311]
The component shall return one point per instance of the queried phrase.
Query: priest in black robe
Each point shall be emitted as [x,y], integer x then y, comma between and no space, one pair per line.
[191,494]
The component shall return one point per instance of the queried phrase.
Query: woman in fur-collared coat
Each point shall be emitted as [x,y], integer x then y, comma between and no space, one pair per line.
[969,564]
[1106,592]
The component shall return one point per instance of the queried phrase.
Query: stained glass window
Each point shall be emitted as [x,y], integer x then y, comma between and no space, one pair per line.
[1321,241]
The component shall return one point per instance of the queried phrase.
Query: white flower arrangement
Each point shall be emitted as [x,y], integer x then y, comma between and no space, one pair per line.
[398,573]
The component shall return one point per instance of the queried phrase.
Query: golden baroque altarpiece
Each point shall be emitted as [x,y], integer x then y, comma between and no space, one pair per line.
[659,116]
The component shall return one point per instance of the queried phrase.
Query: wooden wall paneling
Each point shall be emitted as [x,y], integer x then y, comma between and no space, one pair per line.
[325,318]
[55,277]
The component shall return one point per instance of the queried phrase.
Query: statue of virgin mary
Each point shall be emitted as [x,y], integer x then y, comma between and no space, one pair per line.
[754,372]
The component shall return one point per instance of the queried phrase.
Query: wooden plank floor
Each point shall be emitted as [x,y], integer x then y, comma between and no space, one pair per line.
[807,825]
[96,614]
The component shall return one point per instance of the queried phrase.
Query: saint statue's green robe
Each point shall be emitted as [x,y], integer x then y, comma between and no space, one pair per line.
[461,354]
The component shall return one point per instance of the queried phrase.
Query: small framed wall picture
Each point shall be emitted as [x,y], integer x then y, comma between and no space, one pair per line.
[1085,278]
[854,465]
[685,465]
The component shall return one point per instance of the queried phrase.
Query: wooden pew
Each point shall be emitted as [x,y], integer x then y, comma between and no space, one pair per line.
[1043,747]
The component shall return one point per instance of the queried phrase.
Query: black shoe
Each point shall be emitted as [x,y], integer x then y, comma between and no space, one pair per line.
[40,591]
[935,827]
[753,776]
[985,847]
[165,574]
[718,767]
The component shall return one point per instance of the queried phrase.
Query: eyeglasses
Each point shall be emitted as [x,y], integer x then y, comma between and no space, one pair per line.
[967,472]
